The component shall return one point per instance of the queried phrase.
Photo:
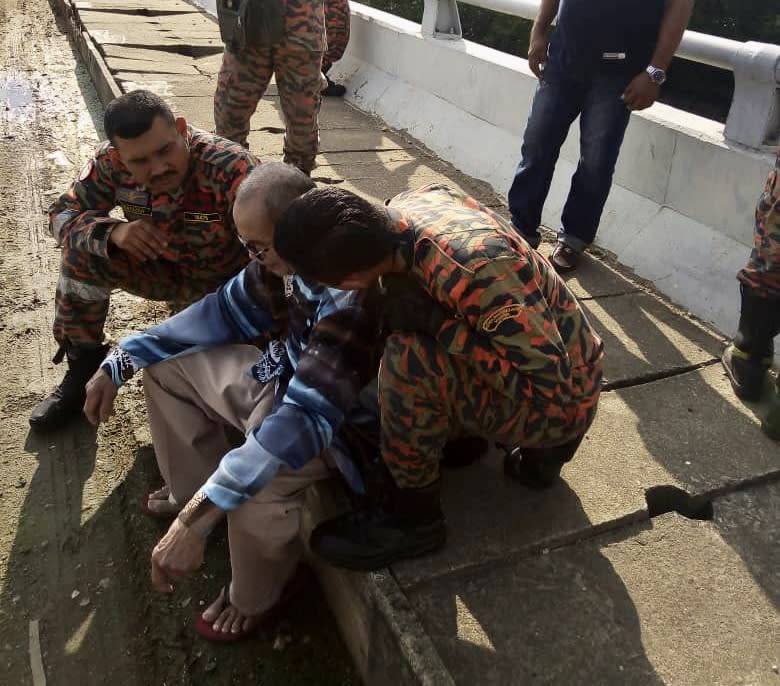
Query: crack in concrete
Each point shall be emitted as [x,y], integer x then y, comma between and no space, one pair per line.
[572,538]
[651,377]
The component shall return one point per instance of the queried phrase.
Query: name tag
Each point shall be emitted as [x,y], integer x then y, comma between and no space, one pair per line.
[130,208]
[202,217]
[613,56]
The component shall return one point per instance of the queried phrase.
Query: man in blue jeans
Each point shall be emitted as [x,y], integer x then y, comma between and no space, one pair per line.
[606,59]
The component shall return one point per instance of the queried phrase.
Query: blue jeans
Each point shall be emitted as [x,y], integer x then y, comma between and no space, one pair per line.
[559,98]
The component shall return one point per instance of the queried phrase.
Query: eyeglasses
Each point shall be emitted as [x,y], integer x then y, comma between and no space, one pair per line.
[254,253]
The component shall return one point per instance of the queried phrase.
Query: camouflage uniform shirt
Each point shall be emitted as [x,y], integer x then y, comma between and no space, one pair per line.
[196,220]
[513,317]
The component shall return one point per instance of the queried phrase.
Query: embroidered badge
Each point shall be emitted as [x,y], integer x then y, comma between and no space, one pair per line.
[202,217]
[499,316]
[86,170]
[133,196]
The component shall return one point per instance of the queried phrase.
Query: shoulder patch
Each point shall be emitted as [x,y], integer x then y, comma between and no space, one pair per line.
[86,170]
[499,316]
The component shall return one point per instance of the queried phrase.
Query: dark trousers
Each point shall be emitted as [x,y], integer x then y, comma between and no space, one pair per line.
[560,97]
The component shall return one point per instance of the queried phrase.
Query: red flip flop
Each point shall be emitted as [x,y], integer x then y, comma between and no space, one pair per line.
[299,580]
[167,516]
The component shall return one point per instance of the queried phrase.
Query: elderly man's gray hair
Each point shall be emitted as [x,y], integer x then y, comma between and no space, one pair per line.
[275,183]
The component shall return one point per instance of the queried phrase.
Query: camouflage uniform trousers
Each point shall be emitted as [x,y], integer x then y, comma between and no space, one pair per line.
[244,77]
[428,396]
[86,281]
[337,32]
[762,272]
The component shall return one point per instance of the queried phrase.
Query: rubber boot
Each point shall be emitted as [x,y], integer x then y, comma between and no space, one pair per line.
[771,423]
[748,358]
[333,89]
[409,525]
[67,400]
[463,451]
[539,468]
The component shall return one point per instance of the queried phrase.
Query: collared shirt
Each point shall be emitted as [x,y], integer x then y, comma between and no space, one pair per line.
[196,219]
[331,355]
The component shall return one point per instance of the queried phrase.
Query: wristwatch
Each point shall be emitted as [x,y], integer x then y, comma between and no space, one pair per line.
[657,75]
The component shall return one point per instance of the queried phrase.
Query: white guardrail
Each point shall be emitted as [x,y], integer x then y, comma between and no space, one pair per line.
[754,117]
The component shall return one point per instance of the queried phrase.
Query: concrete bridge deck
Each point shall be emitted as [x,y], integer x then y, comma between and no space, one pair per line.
[604,579]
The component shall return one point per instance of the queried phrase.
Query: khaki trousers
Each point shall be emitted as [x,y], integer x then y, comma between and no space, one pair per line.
[191,400]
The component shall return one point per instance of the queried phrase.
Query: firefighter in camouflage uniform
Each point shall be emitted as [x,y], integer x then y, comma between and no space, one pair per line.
[175,186]
[337,32]
[294,57]
[484,339]
[750,355]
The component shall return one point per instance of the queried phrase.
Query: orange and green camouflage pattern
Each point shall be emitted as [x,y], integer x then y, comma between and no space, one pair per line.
[518,363]
[202,253]
[336,31]
[296,61]
[762,272]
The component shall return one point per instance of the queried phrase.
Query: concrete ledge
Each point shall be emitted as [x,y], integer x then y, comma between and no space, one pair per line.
[379,626]
[105,85]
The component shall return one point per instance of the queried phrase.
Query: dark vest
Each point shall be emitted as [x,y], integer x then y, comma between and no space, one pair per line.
[607,35]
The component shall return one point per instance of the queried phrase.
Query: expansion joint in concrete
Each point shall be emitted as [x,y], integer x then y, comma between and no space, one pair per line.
[651,377]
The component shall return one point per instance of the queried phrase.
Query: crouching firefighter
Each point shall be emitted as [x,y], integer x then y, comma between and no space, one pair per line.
[486,340]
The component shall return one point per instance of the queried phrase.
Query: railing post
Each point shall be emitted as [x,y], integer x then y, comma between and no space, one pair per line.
[754,117]
[441,20]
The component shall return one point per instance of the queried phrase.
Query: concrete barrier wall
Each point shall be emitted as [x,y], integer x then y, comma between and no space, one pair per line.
[680,212]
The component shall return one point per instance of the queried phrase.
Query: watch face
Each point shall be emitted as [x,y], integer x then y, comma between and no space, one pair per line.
[657,75]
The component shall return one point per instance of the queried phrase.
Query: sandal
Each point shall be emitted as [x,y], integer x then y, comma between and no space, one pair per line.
[564,258]
[299,580]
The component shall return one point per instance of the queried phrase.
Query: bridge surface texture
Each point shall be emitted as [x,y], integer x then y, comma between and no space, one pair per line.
[592,582]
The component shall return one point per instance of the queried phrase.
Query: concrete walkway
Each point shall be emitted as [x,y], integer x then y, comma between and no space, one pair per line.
[655,561]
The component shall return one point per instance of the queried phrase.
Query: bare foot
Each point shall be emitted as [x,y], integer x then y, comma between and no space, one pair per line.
[226,618]
[161,502]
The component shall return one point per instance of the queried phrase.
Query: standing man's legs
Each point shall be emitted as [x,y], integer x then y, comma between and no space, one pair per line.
[603,123]
[556,104]
[337,32]
[191,400]
[243,78]
[299,80]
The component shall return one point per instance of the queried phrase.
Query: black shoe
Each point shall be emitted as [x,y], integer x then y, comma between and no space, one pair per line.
[461,452]
[749,357]
[334,90]
[67,400]
[412,525]
[746,375]
[539,468]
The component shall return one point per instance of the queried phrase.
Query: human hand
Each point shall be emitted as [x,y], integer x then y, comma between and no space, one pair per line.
[139,238]
[537,55]
[179,553]
[641,92]
[99,403]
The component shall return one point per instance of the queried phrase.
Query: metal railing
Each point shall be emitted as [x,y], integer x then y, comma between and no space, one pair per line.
[754,116]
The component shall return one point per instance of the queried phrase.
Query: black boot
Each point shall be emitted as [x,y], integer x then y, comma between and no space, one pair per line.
[409,525]
[539,468]
[67,400]
[463,451]
[334,90]
[748,358]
